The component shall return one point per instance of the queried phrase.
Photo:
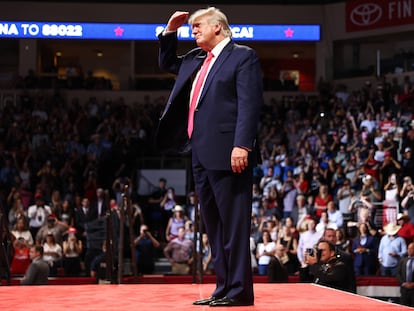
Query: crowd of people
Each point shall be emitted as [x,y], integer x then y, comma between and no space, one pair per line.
[341,160]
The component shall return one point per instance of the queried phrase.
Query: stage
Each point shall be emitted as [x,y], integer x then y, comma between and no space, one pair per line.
[291,296]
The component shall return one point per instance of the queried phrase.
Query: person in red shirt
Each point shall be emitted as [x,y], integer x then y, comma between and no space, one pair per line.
[21,258]
[322,199]
[407,228]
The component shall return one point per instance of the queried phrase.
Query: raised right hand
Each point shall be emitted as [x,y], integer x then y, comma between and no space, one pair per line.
[177,20]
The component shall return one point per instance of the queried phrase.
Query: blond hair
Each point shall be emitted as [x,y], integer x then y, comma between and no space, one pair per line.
[214,16]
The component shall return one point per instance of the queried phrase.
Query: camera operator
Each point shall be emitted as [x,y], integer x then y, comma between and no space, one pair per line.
[327,268]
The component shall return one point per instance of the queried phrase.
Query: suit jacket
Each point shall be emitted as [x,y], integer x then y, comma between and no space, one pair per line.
[228,110]
[402,270]
[37,273]
[369,258]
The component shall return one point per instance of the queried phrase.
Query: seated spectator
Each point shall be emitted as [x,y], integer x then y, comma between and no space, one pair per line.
[38,271]
[265,249]
[52,254]
[145,245]
[21,258]
[179,252]
[72,251]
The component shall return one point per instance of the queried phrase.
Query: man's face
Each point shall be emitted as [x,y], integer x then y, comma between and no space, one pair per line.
[33,254]
[205,33]
[326,253]
[330,235]
[410,249]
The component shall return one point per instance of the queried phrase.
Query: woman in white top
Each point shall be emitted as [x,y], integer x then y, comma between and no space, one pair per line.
[264,252]
[52,253]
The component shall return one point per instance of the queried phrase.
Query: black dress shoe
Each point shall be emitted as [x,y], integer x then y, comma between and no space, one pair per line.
[205,301]
[229,302]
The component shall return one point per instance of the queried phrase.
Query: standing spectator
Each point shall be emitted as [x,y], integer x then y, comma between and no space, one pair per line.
[344,195]
[300,212]
[322,199]
[265,249]
[21,230]
[364,248]
[54,226]
[101,203]
[207,263]
[290,243]
[407,196]
[16,212]
[21,258]
[180,252]
[388,168]
[278,268]
[52,254]
[167,205]
[391,249]
[145,245]
[308,239]
[153,213]
[407,163]
[72,251]
[334,215]
[191,206]
[405,276]
[177,220]
[38,271]
[407,228]
[289,193]
[37,214]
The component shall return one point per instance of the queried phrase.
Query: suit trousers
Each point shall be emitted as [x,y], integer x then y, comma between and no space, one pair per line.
[225,205]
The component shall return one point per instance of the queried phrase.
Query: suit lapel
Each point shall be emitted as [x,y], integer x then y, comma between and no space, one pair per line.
[225,53]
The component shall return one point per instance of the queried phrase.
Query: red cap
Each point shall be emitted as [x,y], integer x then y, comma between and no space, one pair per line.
[52,216]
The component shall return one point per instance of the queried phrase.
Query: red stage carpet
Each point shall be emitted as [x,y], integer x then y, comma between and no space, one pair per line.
[171,297]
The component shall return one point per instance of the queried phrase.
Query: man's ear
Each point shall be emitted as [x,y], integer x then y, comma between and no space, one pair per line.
[217,29]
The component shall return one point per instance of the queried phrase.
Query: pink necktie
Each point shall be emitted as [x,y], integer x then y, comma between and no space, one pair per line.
[196,92]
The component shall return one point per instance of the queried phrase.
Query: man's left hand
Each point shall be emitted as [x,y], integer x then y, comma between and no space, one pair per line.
[239,159]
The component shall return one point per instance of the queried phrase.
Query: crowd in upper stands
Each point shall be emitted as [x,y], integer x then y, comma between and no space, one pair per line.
[341,159]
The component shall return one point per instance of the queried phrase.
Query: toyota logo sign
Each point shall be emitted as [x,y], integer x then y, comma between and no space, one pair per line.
[366,14]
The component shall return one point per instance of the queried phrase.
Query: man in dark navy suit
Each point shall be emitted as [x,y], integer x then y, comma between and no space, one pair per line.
[222,135]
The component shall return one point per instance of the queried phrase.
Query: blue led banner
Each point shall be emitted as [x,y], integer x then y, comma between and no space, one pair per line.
[111,31]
